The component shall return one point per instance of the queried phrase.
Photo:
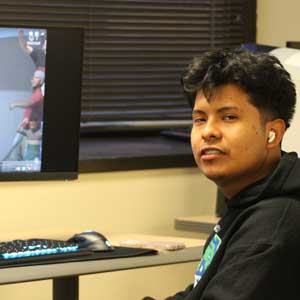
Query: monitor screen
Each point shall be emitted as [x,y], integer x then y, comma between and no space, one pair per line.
[40,92]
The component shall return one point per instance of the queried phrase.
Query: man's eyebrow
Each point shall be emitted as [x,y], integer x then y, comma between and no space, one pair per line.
[226,108]
[197,111]
[221,110]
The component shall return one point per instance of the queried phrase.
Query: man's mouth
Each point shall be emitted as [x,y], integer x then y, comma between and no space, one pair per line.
[210,153]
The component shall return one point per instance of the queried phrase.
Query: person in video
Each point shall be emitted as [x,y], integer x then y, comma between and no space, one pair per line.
[37,54]
[32,140]
[32,107]
[242,105]
[35,103]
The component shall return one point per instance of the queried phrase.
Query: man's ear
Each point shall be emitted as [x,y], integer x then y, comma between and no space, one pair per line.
[275,131]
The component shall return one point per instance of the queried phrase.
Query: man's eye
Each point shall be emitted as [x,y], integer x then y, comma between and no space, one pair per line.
[230,117]
[199,120]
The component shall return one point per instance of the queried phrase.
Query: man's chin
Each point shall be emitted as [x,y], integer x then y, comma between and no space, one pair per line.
[216,177]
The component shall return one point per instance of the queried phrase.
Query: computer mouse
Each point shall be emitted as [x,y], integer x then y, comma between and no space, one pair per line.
[92,240]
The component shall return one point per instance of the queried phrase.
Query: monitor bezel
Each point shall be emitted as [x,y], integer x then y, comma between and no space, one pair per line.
[60,144]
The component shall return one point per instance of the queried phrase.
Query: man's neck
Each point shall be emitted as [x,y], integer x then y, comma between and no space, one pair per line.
[36,88]
[233,187]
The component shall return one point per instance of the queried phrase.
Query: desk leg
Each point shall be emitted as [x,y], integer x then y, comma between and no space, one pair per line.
[66,288]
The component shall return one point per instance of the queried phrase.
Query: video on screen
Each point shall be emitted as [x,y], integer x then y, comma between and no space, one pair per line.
[22,89]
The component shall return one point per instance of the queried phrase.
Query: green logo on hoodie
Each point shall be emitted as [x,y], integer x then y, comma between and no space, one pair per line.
[207,257]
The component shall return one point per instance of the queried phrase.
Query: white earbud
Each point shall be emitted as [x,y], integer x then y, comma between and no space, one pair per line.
[271,136]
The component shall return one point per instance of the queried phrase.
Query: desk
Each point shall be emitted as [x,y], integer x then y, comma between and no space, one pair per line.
[65,276]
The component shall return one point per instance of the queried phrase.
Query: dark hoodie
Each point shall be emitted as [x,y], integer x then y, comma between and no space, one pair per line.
[258,253]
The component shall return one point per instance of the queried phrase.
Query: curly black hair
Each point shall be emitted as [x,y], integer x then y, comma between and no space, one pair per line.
[260,75]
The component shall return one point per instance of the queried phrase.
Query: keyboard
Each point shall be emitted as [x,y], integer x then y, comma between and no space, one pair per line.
[33,250]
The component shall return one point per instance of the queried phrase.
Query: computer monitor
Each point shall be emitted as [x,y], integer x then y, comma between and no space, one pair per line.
[40,95]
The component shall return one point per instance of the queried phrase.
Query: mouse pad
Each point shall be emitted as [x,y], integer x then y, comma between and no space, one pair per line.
[118,252]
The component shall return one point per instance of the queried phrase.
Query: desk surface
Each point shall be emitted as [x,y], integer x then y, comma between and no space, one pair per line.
[117,239]
[58,270]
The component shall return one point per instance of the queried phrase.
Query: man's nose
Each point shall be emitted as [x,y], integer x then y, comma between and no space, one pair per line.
[211,131]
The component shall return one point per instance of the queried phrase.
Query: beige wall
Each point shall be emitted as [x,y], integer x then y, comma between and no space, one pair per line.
[277,21]
[135,201]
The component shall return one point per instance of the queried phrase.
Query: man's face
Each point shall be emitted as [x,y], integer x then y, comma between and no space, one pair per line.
[229,139]
[35,81]
[33,125]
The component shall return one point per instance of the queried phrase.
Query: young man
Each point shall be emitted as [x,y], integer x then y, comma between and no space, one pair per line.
[242,105]
[34,105]
[33,109]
